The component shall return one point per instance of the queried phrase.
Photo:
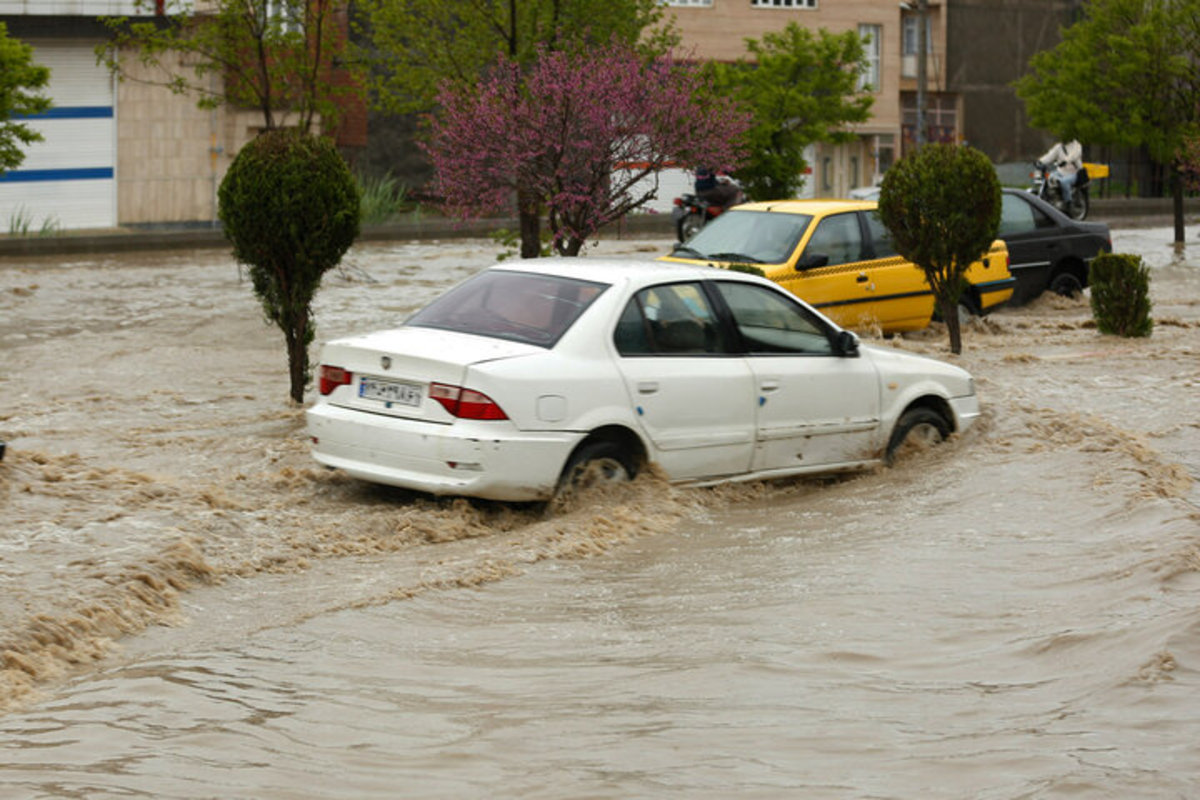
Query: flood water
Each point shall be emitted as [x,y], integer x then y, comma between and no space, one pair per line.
[189,608]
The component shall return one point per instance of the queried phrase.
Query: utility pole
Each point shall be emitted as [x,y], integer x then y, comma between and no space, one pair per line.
[922,67]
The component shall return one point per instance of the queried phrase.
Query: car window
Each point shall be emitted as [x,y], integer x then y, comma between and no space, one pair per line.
[837,236]
[762,236]
[1016,215]
[523,307]
[881,237]
[672,319]
[771,323]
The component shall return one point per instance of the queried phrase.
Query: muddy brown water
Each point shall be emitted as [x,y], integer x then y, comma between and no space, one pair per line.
[190,608]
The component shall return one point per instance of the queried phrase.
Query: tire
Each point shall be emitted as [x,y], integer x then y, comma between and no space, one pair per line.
[689,226]
[917,429]
[1066,284]
[1077,209]
[596,464]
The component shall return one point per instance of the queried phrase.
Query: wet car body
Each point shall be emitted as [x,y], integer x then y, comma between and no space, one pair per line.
[838,256]
[498,387]
[1047,249]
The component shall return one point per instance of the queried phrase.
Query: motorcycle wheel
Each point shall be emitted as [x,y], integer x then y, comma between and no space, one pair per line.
[689,226]
[1078,207]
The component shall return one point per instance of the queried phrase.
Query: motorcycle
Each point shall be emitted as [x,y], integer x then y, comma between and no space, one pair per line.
[1046,186]
[691,212]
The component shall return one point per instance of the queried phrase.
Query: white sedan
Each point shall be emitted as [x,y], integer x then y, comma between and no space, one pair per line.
[515,381]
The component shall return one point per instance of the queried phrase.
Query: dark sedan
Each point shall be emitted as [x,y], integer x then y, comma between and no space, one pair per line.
[1046,248]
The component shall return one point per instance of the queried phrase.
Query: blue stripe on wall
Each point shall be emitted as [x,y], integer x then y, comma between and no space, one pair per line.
[71,112]
[75,174]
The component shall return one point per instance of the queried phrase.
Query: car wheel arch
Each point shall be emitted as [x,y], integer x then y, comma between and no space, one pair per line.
[1072,266]
[922,408]
[627,440]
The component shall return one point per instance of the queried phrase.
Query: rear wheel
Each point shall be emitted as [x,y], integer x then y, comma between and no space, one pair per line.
[689,226]
[917,430]
[596,464]
[1078,207]
[1066,284]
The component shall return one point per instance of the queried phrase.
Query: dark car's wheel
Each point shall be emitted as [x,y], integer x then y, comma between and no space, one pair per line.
[596,464]
[918,429]
[689,226]
[1066,284]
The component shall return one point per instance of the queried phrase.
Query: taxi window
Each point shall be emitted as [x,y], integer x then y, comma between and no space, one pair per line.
[881,237]
[670,320]
[772,324]
[838,237]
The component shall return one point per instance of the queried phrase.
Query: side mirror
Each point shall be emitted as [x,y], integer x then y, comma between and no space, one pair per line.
[812,261]
[847,344]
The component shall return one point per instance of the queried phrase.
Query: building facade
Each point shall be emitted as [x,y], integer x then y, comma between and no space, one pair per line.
[119,153]
[717,29]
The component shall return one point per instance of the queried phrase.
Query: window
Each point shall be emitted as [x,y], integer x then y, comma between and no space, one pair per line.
[1018,216]
[671,320]
[687,2]
[520,307]
[771,323]
[872,36]
[285,16]
[881,237]
[837,237]
[784,3]
[910,47]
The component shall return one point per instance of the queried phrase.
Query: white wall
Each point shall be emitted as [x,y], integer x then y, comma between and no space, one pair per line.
[70,7]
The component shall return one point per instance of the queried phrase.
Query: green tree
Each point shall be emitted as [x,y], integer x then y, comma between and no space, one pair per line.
[942,207]
[416,46]
[290,206]
[20,80]
[271,55]
[1126,74]
[801,88]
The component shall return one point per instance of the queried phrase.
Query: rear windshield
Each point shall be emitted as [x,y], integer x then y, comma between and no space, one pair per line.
[518,306]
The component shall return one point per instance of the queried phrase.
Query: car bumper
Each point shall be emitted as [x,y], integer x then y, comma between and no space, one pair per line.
[490,460]
[966,411]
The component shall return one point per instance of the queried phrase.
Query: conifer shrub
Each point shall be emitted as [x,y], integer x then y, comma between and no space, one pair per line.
[290,207]
[1120,286]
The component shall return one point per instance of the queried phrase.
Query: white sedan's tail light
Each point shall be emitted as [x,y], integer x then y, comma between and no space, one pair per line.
[332,377]
[465,403]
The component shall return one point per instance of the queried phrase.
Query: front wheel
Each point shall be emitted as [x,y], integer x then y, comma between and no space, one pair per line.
[917,430]
[690,225]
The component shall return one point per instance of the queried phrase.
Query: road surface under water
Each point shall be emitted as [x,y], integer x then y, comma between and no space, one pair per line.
[190,608]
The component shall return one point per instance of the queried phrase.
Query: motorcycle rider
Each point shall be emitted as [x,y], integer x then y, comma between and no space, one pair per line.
[1066,160]
[710,188]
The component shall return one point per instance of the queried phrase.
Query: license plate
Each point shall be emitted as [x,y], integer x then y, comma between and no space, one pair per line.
[406,394]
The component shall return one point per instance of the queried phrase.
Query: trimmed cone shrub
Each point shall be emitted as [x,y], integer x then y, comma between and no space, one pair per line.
[1120,285]
[290,207]
[942,206]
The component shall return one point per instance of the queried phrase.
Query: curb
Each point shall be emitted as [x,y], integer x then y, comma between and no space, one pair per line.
[1133,212]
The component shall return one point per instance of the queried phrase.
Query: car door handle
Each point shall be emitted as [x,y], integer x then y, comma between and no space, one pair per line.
[647,387]
[769,386]
[862,277]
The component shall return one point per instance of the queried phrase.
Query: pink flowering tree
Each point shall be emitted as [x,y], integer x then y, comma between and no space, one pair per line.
[573,136]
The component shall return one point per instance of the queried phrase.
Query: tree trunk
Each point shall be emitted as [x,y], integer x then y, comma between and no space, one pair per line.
[949,312]
[1177,203]
[531,225]
[297,350]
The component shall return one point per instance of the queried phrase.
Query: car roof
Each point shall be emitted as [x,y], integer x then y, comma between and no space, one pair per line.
[617,270]
[819,207]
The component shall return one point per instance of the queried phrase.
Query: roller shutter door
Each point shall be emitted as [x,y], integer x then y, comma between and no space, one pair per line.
[68,179]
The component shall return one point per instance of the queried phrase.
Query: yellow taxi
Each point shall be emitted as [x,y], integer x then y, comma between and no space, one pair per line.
[838,256]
